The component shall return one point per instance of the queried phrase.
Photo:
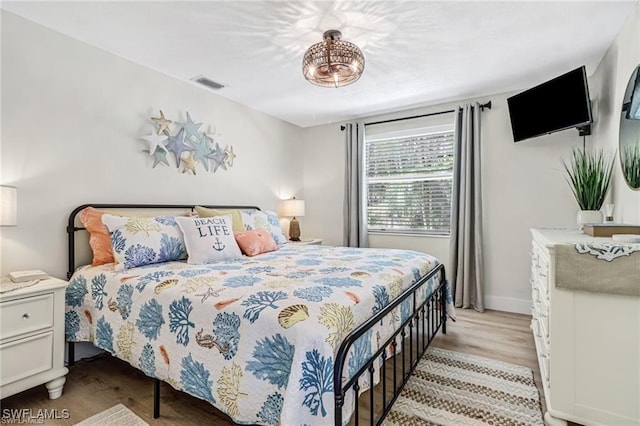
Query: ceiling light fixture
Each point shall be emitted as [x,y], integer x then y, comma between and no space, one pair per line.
[333,62]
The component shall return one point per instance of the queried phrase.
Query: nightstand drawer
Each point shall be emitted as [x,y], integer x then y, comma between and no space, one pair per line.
[26,357]
[26,315]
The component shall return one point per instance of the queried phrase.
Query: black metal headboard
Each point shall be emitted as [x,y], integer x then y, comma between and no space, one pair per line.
[72,228]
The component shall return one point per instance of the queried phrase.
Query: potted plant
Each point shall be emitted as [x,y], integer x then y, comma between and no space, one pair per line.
[589,175]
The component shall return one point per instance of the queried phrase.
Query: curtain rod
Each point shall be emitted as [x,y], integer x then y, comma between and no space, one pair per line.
[482,107]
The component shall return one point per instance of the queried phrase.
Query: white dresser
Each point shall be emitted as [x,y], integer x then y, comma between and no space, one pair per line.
[588,343]
[32,338]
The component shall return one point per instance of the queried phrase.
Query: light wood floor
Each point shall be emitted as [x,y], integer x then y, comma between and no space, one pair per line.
[94,386]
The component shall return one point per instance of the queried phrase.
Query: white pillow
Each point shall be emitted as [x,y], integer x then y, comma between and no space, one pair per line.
[138,241]
[209,239]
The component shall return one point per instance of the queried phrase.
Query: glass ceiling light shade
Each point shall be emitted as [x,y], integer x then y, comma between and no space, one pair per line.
[333,62]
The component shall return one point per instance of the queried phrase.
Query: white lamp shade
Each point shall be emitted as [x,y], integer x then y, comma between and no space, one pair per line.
[293,208]
[8,206]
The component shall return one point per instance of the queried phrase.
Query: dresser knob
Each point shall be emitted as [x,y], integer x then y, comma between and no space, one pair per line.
[26,316]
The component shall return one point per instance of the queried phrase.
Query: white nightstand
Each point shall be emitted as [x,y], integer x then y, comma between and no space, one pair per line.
[312,241]
[32,338]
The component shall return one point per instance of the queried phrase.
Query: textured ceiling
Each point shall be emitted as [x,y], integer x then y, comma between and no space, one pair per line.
[417,52]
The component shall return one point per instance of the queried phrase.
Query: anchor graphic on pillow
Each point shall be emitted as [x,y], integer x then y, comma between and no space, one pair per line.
[218,246]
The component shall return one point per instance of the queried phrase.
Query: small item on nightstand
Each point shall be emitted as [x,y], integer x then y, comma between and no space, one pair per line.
[22,276]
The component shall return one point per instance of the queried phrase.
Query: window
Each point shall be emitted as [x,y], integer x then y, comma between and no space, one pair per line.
[410,179]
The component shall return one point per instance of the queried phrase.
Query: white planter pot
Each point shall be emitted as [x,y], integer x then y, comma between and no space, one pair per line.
[589,216]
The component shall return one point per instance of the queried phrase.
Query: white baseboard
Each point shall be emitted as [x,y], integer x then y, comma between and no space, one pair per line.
[508,304]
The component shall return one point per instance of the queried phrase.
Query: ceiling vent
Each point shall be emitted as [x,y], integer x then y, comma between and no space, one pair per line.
[213,85]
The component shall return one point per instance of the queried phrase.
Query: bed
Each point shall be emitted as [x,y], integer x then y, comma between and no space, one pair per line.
[293,336]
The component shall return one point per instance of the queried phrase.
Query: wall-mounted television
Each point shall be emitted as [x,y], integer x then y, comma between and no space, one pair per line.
[558,104]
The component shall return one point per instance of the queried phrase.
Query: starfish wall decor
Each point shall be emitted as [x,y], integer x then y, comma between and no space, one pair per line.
[186,145]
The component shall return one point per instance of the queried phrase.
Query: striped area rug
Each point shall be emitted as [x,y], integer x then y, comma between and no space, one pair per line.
[451,388]
[118,415]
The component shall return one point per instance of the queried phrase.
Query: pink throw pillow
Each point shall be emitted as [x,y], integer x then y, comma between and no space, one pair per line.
[255,242]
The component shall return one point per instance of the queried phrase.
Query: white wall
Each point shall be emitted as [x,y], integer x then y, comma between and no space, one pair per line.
[323,183]
[609,81]
[72,116]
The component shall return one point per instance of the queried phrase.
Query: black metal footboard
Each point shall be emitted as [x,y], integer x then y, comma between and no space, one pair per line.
[406,352]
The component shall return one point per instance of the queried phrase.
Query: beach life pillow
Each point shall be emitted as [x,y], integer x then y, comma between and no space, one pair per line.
[267,220]
[236,216]
[209,239]
[255,242]
[139,241]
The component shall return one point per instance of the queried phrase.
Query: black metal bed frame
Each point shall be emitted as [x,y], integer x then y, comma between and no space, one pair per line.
[431,313]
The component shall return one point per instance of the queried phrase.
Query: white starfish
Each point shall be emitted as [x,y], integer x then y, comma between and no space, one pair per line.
[209,293]
[154,141]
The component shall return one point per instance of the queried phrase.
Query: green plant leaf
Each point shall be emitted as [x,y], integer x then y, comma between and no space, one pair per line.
[589,176]
[630,157]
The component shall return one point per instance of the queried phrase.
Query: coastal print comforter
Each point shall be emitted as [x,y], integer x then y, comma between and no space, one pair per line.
[255,336]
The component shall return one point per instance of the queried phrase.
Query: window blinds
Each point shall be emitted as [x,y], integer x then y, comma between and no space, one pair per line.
[410,182]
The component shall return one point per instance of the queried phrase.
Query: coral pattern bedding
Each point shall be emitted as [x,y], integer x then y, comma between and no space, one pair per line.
[254,336]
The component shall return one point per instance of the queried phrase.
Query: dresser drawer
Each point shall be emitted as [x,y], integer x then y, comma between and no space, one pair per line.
[540,337]
[535,298]
[540,266]
[543,287]
[544,368]
[26,357]
[543,322]
[543,313]
[26,315]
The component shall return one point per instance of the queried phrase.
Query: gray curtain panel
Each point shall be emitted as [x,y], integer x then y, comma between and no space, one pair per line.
[355,193]
[465,245]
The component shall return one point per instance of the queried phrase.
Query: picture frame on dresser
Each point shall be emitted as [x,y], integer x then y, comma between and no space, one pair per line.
[32,322]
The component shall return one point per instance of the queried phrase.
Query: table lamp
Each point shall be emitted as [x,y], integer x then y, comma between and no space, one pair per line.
[293,208]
